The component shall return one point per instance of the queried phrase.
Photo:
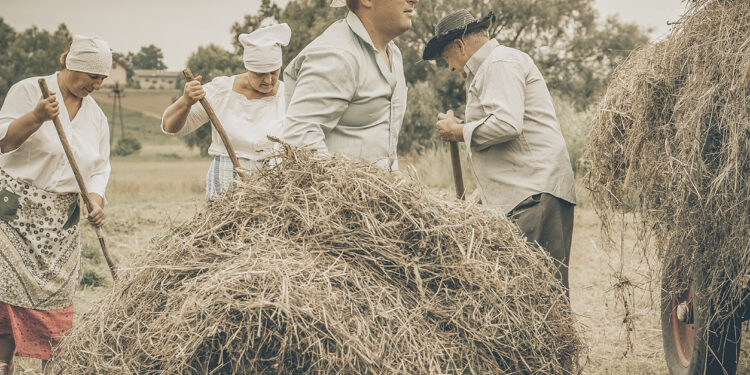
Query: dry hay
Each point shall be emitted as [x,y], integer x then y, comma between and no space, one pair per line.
[671,142]
[325,265]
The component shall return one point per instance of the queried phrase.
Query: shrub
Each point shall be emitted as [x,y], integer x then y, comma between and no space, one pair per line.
[126,146]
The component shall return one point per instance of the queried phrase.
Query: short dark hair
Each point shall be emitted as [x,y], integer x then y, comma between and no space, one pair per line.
[352,4]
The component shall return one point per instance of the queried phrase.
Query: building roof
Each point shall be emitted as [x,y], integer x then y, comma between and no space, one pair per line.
[152,73]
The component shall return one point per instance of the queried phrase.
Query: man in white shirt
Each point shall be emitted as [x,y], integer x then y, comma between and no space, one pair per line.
[514,144]
[346,91]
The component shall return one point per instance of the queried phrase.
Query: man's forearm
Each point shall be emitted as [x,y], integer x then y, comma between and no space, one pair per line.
[490,131]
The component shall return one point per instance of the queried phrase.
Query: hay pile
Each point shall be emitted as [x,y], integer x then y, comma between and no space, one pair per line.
[671,140]
[324,265]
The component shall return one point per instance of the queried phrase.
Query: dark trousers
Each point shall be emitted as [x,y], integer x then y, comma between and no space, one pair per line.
[547,221]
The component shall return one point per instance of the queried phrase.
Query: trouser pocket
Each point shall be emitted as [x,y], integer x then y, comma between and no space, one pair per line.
[8,205]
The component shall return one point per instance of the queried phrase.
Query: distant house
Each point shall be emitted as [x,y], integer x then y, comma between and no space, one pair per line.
[118,75]
[155,79]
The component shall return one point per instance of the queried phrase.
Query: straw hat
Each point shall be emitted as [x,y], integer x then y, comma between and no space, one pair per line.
[451,27]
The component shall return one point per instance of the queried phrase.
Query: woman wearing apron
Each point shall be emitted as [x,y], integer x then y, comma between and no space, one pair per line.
[250,106]
[40,243]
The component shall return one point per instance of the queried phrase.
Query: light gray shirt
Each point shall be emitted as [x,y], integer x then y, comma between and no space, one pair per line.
[516,146]
[342,98]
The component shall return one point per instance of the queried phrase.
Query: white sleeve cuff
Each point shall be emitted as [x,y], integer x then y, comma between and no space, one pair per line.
[98,185]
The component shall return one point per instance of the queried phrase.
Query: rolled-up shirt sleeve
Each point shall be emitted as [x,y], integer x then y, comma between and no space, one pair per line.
[502,96]
[100,174]
[325,83]
[18,102]
[197,115]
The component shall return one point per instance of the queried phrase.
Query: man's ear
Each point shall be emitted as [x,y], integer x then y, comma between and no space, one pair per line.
[365,3]
[460,45]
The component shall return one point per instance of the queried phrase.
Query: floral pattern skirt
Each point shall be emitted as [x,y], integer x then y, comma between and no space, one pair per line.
[40,246]
[40,261]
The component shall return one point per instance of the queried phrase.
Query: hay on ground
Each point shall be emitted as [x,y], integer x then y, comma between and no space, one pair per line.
[324,265]
[671,141]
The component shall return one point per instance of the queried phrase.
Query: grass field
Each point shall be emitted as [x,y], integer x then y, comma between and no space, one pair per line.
[141,115]
[164,184]
[149,102]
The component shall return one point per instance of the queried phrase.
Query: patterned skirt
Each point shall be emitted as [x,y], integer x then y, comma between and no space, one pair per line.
[40,262]
[221,174]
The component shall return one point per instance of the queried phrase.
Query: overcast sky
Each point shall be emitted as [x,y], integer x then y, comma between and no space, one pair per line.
[179,27]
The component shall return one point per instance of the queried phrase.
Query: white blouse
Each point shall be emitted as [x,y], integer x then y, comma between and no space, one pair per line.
[247,122]
[41,160]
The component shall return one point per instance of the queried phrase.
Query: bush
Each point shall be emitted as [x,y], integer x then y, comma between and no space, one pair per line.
[91,278]
[575,129]
[126,146]
[418,131]
[201,138]
[93,254]
[169,156]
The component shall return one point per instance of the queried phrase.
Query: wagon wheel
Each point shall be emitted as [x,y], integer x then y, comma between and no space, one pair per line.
[693,348]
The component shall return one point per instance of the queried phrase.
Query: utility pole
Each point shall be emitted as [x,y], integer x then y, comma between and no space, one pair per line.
[117,108]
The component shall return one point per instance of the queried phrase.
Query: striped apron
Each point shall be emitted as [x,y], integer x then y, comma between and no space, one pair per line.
[221,174]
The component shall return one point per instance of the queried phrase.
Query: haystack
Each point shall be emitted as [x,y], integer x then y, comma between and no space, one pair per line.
[671,141]
[325,265]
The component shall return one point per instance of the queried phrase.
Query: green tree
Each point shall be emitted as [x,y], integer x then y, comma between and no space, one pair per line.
[149,57]
[126,61]
[7,36]
[268,14]
[306,18]
[212,61]
[33,52]
[423,104]
[575,51]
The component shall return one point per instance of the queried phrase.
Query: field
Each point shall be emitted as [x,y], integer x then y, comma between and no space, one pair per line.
[163,185]
[149,102]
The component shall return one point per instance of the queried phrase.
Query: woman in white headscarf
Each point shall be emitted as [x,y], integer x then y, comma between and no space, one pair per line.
[250,106]
[40,242]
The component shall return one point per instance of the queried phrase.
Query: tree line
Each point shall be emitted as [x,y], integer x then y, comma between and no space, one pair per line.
[36,52]
[574,48]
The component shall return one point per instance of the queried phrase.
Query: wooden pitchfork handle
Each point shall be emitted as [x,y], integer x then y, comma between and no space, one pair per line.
[458,178]
[79,178]
[217,125]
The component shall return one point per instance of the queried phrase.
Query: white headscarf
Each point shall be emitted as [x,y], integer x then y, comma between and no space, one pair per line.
[263,47]
[338,3]
[89,55]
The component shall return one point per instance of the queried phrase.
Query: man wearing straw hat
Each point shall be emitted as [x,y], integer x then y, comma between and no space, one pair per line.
[249,105]
[514,144]
[346,91]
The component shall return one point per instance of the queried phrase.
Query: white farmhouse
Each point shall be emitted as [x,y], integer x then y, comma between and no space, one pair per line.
[155,79]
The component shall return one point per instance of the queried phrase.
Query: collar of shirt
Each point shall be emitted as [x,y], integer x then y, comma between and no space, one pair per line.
[53,84]
[476,60]
[358,28]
